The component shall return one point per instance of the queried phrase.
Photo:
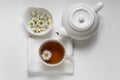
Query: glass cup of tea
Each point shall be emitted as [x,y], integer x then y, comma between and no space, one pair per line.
[52,52]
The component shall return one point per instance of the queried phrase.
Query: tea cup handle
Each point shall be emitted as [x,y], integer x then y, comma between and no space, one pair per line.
[69,52]
[61,31]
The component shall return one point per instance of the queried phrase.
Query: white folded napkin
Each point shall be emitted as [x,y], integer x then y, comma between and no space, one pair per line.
[36,67]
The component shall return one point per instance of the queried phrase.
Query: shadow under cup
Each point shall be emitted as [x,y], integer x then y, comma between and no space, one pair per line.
[57,50]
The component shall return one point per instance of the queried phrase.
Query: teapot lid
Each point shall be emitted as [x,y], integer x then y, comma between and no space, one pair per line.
[81,18]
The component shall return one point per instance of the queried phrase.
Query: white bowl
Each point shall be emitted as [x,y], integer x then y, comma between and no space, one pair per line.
[27,18]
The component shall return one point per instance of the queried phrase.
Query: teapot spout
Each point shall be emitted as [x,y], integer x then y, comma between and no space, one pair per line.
[98,6]
[61,32]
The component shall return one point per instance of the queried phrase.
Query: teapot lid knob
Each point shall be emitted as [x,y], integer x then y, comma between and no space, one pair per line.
[81,19]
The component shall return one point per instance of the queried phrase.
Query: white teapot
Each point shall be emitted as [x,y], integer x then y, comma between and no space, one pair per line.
[80,21]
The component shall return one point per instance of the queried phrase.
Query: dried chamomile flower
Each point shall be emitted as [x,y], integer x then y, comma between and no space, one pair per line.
[40,23]
[31,23]
[35,31]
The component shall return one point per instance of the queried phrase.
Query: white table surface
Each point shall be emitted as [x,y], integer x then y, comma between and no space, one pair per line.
[95,59]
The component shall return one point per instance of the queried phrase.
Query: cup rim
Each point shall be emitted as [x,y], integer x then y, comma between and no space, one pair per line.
[53,40]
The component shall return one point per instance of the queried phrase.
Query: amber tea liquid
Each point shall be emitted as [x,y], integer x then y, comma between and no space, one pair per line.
[56,49]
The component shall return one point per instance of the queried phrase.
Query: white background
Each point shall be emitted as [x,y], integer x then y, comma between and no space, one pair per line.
[95,59]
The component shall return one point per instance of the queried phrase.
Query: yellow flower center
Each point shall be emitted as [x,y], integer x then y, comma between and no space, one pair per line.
[47,18]
[31,23]
[48,23]
[35,31]
[46,55]
[41,23]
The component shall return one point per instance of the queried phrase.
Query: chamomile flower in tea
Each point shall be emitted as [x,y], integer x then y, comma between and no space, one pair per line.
[46,55]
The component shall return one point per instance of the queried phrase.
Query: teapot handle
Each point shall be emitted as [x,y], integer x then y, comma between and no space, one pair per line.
[98,6]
